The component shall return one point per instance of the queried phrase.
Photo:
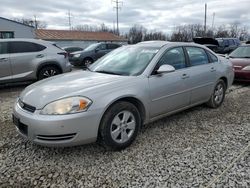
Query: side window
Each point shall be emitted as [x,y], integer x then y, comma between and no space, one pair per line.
[102,47]
[212,57]
[112,46]
[226,43]
[231,42]
[174,57]
[3,48]
[23,47]
[197,56]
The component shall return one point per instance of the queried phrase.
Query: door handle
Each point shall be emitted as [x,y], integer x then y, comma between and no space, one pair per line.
[185,76]
[3,59]
[40,56]
[212,69]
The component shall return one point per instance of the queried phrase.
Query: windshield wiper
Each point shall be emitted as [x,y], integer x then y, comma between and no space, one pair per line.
[108,72]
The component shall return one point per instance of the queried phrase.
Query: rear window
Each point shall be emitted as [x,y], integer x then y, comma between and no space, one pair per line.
[24,47]
[212,57]
[3,48]
[197,56]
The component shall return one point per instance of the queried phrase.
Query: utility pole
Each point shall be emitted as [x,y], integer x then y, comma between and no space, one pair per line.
[213,20]
[205,22]
[69,17]
[117,7]
[35,22]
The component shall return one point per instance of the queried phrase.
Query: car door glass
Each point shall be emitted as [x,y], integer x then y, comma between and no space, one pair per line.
[3,48]
[197,56]
[102,47]
[213,58]
[24,47]
[174,57]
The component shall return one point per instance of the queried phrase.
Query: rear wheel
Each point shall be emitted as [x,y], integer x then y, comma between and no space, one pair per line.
[47,72]
[218,95]
[119,126]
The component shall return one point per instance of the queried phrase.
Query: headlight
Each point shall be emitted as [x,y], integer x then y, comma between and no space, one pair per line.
[67,106]
[247,68]
[77,55]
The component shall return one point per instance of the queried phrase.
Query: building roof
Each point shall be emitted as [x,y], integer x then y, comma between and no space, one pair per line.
[47,34]
[15,22]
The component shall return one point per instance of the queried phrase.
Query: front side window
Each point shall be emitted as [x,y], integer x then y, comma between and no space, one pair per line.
[127,60]
[24,47]
[102,47]
[174,57]
[231,42]
[112,46]
[3,48]
[197,56]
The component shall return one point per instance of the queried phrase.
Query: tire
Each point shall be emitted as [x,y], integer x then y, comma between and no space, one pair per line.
[47,72]
[119,126]
[87,61]
[218,95]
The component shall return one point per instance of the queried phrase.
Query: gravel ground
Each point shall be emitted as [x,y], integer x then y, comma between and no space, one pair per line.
[199,147]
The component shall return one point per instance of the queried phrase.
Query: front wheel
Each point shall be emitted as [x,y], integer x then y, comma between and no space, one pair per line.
[87,62]
[218,95]
[119,126]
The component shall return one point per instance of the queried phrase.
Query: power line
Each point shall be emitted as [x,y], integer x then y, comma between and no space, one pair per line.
[117,7]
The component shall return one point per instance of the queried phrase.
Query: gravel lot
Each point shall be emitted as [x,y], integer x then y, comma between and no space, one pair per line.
[199,147]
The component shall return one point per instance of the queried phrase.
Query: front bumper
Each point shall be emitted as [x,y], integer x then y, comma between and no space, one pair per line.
[57,130]
[75,61]
[242,75]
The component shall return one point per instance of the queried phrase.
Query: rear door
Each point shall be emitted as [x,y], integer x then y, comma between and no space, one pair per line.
[5,68]
[169,91]
[202,74]
[24,57]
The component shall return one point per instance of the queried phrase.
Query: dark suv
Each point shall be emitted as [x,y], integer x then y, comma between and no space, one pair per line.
[219,45]
[92,53]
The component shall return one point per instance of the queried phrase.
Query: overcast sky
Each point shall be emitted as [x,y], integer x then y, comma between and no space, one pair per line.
[153,14]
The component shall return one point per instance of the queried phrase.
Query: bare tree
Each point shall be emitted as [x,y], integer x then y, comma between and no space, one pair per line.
[136,34]
[34,23]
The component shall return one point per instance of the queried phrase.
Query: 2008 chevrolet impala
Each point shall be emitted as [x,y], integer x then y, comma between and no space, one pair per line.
[131,86]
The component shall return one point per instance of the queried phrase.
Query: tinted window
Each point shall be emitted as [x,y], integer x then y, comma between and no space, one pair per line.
[22,47]
[197,56]
[212,57]
[226,43]
[6,34]
[102,47]
[174,57]
[231,42]
[112,46]
[3,48]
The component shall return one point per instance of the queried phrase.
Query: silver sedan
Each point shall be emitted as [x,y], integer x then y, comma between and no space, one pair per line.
[129,87]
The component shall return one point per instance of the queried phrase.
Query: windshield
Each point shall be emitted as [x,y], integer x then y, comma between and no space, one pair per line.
[91,47]
[127,60]
[241,52]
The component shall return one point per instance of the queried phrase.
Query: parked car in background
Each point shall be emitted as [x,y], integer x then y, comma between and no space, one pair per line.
[30,59]
[241,62]
[130,86]
[92,53]
[219,45]
[72,49]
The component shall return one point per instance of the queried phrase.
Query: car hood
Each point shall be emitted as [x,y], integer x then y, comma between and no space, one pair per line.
[71,84]
[240,61]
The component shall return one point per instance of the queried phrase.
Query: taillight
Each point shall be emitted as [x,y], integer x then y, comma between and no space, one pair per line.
[64,53]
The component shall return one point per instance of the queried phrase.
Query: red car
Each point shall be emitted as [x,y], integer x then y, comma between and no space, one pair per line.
[241,62]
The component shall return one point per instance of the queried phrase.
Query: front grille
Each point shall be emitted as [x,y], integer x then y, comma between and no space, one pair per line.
[27,107]
[61,137]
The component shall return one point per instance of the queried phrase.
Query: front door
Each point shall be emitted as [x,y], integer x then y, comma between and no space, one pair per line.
[169,91]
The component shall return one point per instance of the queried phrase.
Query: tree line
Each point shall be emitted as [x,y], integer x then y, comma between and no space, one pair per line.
[181,33]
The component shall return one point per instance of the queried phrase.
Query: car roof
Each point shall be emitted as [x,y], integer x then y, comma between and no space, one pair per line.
[159,44]
[39,41]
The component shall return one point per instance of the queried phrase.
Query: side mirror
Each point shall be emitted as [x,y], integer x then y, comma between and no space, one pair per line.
[227,56]
[165,69]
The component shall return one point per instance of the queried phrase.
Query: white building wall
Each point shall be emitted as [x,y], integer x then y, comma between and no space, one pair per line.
[20,30]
